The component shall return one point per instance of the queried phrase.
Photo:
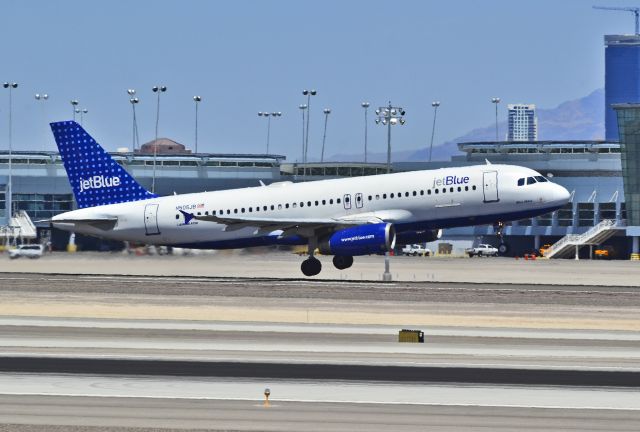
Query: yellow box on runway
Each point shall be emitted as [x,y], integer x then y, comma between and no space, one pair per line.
[415,336]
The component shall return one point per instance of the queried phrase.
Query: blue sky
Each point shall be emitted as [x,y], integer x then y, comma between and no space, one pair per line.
[248,56]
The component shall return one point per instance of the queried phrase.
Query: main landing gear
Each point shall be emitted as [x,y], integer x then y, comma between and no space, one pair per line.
[312,265]
[342,262]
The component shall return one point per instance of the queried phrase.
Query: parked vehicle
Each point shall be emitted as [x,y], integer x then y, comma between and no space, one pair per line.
[27,250]
[415,250]
[481,250]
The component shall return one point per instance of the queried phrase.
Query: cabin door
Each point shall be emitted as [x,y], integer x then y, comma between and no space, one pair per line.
[490,186]
[151,219]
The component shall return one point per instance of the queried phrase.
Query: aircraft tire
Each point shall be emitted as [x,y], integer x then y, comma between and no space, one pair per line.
[311,266]
[503,249]
[342,262]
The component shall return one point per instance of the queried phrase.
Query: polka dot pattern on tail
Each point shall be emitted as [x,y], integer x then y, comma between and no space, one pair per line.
[96,179]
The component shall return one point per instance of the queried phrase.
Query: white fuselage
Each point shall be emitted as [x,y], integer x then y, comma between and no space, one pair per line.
[472,195]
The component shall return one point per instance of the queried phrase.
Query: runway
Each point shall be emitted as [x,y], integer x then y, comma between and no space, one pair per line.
[147,349]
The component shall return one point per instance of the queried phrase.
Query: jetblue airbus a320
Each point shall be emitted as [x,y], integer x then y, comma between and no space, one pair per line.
[341,217]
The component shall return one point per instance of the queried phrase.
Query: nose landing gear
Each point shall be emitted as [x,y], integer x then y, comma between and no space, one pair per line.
[503,248]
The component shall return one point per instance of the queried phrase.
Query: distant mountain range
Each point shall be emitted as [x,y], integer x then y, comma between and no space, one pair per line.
[579,119]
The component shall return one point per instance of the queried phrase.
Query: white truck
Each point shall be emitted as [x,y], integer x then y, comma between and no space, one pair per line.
[415,250]
[27,250]
[481,250]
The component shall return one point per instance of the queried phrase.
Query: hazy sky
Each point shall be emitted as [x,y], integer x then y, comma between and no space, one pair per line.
[247,56]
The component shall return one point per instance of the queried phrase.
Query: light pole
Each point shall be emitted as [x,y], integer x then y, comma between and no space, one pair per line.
[135,138]
[326,111]
[197,100]
[308,94]
[496,101]
[43,98]
[74,103]
[303,108]
[9,188]
[365,105]
[390,116]
[435,105]
[158,90]
[268,116]
[82,112]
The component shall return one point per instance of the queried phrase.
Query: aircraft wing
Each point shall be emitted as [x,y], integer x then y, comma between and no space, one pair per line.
[290,226]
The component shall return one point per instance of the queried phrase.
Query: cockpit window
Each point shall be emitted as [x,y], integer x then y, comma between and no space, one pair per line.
[521,181]
[530,180]
[541,179]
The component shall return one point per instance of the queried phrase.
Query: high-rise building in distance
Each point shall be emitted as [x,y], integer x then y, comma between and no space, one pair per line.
[523,123]
[621,77]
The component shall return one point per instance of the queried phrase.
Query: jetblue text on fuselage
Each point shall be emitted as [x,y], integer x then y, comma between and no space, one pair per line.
[98,181]
[450,180]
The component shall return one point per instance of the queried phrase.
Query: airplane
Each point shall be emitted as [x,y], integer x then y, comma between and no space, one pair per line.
[341,217]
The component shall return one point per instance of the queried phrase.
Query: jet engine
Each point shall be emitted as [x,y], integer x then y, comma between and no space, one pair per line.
[359,240]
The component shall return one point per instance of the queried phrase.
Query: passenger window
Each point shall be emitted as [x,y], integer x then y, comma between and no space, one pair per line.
[317,203]
[309,203]
[338,201]
[541,179]
[324,202]
[428,191]
[294,205]
[242,209]
[177,216]
[377,196]
[301,204]
[459,189]
[384,196]
[530,180]
[444,190]
[272,207]
[451,189]
[466,188]
[199,214]
[406,194]
[473,187]
[250,209]
[415,193]
[391,196]
[370,198]
[331,201]
[422,192]
[285,206]
[228,211]
[213,213]
[436,190]
[279,206]
[521,182]
[235,210]
[264,208]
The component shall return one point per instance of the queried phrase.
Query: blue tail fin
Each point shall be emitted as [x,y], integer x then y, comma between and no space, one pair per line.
[96,179]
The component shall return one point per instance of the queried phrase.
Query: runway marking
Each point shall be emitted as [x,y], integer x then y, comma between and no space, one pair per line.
[333,401]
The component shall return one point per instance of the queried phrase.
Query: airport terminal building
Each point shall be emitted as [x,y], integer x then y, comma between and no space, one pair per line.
[590,170]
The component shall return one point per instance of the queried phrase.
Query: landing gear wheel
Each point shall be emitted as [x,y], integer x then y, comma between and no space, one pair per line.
[342,262]
[311,266]
[503,249]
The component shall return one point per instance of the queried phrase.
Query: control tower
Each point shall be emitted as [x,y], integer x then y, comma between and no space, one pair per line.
[622,77]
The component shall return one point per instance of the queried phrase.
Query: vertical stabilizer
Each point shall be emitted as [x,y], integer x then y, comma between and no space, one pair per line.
[96,179]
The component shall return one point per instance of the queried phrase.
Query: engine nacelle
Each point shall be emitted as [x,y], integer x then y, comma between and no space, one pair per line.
[422,236]
[359,240]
